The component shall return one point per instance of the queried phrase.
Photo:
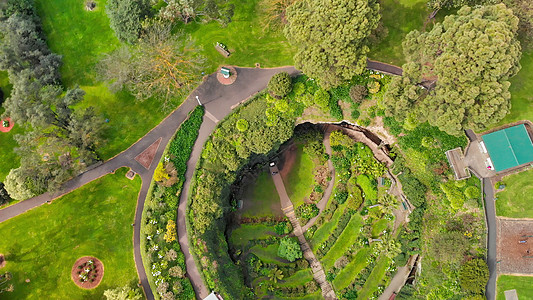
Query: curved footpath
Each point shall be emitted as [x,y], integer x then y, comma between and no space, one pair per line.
[219,101]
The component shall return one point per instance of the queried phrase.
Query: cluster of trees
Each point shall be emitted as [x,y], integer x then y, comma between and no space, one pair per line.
[331,37]
[289,249]
[465,62]
[160,64]
[59,141]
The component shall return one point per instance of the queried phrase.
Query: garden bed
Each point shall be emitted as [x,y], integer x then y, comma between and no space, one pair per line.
[87,272]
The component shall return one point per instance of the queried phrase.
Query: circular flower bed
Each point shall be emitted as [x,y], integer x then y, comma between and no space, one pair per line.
[87,272]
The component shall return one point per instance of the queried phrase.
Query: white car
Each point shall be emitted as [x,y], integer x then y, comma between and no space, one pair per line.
[272,164]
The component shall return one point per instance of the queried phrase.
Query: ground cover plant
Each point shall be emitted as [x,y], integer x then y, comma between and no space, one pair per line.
[515,199]
[84,222]
[522,284]
[162,257]
[448,213]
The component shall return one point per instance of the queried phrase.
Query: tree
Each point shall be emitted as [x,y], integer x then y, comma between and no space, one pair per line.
[122,293]
[275,275]
[126,16]
[280,85]
[321,98]
[274,12]
[465,63]
[523,9]
[289,249]
[331,37]
[161,65]
[440,4]
[358,93]
[474,275]
[17,185]
[4,195]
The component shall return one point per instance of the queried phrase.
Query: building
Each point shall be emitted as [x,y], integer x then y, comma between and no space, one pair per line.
[507,148]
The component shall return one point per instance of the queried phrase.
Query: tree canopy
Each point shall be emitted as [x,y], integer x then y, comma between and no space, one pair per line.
[465,64]
[126,16]
[474,275]
[331,37]
[289,249]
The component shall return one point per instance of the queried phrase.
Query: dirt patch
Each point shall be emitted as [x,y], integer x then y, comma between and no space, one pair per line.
[87,272]
[2,261]
[322,173]
[147,156]
[515,246]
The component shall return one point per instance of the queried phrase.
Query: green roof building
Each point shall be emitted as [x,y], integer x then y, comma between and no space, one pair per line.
[509,147]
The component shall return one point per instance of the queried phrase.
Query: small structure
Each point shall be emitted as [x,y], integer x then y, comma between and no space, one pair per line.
[225,72]
[511,295]
[508,148]
[213,296]
[222,49]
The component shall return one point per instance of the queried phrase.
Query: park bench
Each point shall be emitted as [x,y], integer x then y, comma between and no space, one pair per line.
[222,49]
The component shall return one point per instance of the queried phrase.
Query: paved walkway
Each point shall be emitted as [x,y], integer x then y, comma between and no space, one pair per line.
[288,209]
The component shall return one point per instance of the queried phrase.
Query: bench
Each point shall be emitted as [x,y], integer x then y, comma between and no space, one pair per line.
[222,49]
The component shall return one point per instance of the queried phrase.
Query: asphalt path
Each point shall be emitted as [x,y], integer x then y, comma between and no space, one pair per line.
[490,214]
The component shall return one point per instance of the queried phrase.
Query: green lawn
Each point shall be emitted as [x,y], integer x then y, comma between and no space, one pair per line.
[267,254]
[379,226]
[399,17]
[246,232]
[300,181]
[323,232]
[43,244]
[375,278]
[262,199]
[82,37]
[245,37]
[299,278]
[522,284]
[344,241]
[350,272]
[8,158]
[515,200]
[521,96]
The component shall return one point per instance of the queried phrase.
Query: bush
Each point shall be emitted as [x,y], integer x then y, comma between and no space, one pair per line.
[289,249]
[474,275]
[126,16]
[413,189]
[282,228]
[335,110]
[358,93]
[242,125]
[280,85]
[472,192]
[306,211]
[322,99]
[298,88]
[373,87]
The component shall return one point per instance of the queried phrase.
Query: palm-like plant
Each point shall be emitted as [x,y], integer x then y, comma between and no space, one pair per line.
[275,275]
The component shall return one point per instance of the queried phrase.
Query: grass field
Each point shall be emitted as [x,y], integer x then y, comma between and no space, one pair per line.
[298,279]
[82,43]
[262,198]
[245,37]
[521,96]
[348,273]
[300,181]
[522,284]
[375,278]
[515,200]
[323,232]
[267,254]
[343,242]
[399,17]
[43,244]
[246,232]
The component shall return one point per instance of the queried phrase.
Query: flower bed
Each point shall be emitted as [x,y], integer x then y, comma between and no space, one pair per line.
[87,272]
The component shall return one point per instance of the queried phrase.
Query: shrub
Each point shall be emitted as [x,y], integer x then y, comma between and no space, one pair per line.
[170,234]
[358,93]
[321,99]
[299,88]
[282,228]
[125,17]
[368,186]
[306,211]
[474,275]
[280,85]
[176,271]
[289,249]
[413,189]
[335,110]
[242,125]
[373,87]
[472,192]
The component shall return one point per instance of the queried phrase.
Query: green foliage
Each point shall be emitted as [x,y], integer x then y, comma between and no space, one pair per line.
[4,195]
[474,275]
[242,125]
[368,186]
[414,190]
[337,138]
[280,84]
[335,110]
[472,192]
[454,195]
[289,249]
[126,16]
[122,293]
[355,195]
[321,99]
[463,96]
[282,228]
[306,211]
[448,247]
[331,37]
[299,88]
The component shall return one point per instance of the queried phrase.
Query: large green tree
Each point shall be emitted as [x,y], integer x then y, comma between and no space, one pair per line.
[465,64]
[474,275]
[289,249]
[126,16]
[331,37]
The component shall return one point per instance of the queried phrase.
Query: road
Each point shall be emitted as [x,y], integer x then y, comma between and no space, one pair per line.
[490,214]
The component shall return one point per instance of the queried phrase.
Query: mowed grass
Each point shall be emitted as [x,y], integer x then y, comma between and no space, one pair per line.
[521,96]
[522,284]
[246,232]
[299,182]
[245,37]
[350,272]
[515,201]
[323,232]
[8,158]
[42,244]
[399,17]
[261,198]
[375,278]
[82,38]
[267,254]
[345,240]
[298,279]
